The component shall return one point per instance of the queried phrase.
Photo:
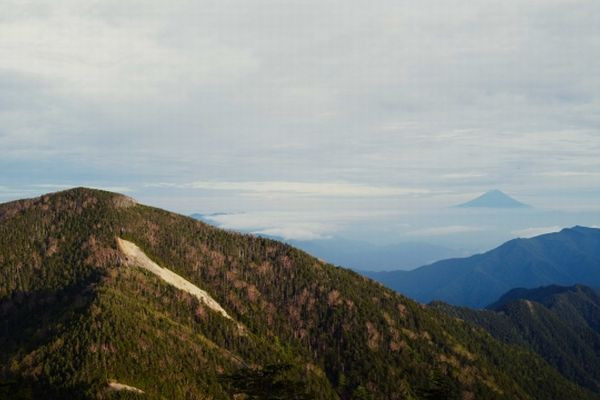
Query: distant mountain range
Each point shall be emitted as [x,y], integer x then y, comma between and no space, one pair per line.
[568,257]
[361,255]
[561,324]
[494,199]
[105,298]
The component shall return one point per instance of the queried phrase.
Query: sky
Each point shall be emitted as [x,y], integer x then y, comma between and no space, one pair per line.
[307,119]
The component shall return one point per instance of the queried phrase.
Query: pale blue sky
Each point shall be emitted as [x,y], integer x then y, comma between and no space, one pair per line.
[316,114]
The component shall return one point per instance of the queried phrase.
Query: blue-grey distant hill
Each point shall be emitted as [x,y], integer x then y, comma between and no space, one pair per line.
[568,257]
[360,255]
[494,199]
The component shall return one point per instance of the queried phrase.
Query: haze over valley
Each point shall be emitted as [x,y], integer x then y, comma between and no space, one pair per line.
[406,241]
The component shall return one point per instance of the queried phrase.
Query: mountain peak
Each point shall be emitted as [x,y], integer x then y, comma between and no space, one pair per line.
[74,199]
[137,299]
[494,199]
[536,294]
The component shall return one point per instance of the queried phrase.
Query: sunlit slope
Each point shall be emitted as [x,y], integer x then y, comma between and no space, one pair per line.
[77,315]
[561,324]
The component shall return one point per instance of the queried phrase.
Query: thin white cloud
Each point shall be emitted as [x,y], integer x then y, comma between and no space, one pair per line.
[301,225]
[293,233]
[535,231]
[464,175]
[445,230]
[56,186]
[288,225]
[108,188]
[324,189]
[116,189]
[570,174]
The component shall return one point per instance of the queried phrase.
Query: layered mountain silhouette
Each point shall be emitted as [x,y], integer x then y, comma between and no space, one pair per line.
[101,297]
[568,257]
[561,324]
[494,199]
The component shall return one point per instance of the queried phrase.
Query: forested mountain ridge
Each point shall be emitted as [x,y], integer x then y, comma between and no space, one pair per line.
[561,324]
[568,257]
[79,320]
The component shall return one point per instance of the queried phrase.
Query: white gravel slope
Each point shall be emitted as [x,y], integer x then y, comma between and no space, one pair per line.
[135,256]
[119,386]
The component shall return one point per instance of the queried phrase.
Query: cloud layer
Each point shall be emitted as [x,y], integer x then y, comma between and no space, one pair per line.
[531,232]
[259,104]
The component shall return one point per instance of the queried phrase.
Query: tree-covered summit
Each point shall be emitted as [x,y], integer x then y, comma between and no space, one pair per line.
[77,320]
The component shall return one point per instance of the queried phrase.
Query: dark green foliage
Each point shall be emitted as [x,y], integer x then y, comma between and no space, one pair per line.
[25,389]
[558,323]
[75,317]
[440,387]
[271,382]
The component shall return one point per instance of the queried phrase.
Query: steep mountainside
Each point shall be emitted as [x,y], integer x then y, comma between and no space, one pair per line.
[568,257]
[561,324]
[101,297]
